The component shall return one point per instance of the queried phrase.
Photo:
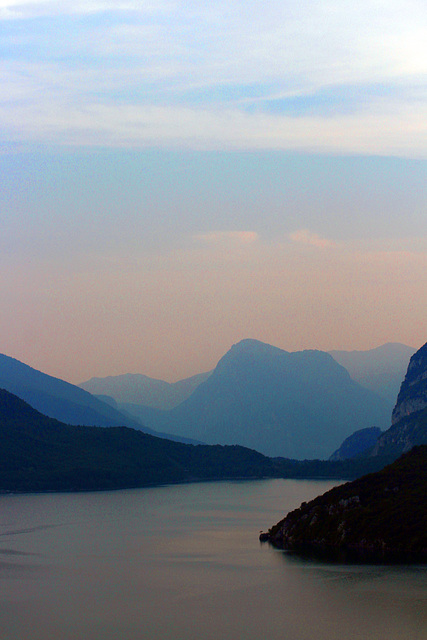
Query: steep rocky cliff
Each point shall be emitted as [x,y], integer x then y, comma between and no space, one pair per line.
[413,391]
[409,419]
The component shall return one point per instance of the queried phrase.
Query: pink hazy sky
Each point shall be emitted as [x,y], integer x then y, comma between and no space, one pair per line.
[174,180]
[99,295]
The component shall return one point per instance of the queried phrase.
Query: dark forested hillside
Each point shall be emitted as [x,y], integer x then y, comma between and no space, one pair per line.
[38,453]
[379,516]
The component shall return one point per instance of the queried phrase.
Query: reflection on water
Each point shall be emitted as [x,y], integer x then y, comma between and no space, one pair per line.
[184,562]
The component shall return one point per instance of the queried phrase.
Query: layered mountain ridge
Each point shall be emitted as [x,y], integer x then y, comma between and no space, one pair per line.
[133,389]
[296,405]
[39,453]
[61,400]
[381,369]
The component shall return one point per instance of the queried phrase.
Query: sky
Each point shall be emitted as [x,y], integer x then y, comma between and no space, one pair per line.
[178,176]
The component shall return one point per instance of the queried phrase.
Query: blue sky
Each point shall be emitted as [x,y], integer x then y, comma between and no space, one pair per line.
[178,176]
[320,76]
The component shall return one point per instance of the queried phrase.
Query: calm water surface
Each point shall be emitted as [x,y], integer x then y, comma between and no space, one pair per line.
[183,563]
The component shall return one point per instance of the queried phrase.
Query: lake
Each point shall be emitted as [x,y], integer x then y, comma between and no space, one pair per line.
[184,562]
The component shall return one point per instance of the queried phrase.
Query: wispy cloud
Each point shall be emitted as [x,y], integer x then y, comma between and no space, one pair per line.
[336,76]
[399,133]
[27,9]
[304,236]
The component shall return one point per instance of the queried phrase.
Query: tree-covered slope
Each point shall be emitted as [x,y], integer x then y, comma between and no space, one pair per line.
[38,453]
[379,516]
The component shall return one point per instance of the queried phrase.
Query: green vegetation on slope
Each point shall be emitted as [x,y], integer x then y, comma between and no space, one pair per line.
[379,516]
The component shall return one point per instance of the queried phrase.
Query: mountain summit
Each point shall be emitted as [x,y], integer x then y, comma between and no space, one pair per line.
[298,405]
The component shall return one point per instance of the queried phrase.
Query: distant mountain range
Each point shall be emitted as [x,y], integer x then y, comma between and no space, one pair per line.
[40,453]
[133,389]
[297,405]
[381,370]
[61,400]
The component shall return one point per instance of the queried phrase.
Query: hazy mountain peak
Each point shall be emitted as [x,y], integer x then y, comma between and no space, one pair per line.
[253,343]
[381,369]
[250,346]
[133,389]
[250,352]
[388,347]
[293,404]
[57,398]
